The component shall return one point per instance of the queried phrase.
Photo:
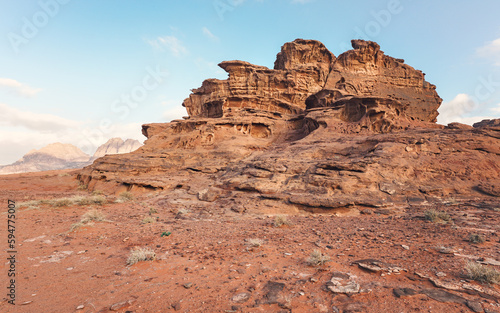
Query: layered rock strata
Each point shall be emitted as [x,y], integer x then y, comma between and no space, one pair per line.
[315,133]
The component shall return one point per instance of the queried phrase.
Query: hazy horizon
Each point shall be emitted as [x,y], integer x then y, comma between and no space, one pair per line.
[82,72]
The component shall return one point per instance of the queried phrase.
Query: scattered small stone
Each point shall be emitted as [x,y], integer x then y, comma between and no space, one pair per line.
[209,195]
[405,247]
[355,307]
[120,305]
[440,274]
[188,285]
[80,307]
[404,292]
[288,254]
[443,296]
[272,292]
[241,297]
[176,306]
[26,302]
[343,283]
[475,306]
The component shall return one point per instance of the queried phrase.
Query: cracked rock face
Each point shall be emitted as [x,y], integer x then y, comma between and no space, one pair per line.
[317,133]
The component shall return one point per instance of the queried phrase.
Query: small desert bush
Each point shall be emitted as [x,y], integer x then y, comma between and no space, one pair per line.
[437,216]
[153,210]
[97,193]
[476,238]
[140,254]
[82,186]
[89,217]
[482,273]
[125,197]
[254,242]
[88,200]
[317,258]
[281,220]
[61,202]
[148,219]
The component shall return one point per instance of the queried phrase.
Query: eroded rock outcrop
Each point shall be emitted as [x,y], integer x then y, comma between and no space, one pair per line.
[315,133]
[306,67]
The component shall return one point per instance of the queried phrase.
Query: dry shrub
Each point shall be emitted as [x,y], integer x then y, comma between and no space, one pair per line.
[317,258]
[139,254]
[482,273]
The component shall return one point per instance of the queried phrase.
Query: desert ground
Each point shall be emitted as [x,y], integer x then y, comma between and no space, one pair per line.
[222,257]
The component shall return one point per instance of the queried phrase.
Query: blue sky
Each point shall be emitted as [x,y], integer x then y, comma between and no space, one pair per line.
[83,71]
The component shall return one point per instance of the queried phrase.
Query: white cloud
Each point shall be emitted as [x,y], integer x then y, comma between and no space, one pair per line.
[175,112]
[496,110]
[171,43]
[35,121]
[13,86]
[491,51]
[209,34]
[460,110]
[455,109]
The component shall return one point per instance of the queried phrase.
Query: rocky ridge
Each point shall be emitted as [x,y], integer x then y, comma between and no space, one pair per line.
[315,133]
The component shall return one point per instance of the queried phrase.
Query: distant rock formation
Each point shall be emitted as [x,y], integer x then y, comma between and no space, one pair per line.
[58,156]
[116,146]
[55,156]
[315,133]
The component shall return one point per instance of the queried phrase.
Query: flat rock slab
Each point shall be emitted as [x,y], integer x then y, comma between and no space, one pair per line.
[343,283]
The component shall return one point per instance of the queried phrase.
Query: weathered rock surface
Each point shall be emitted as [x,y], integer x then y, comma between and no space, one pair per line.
[306,67]
[292,136]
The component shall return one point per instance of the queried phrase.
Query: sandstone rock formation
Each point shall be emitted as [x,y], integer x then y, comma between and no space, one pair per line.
[316,133]
[306,67]
[116,146]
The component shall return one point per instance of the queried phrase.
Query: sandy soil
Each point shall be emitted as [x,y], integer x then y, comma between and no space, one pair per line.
[207,263]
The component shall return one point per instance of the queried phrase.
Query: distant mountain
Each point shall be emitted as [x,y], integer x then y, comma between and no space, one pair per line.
[59,156]
[116,146]
[56,156]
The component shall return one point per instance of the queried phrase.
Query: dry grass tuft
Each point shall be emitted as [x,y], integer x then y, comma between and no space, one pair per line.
[281,220]
[140,254]
[317,258]
[254,242]
[476,238]
[125,197]
[88,218]
[482,273]
[437,216]
[148,219]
